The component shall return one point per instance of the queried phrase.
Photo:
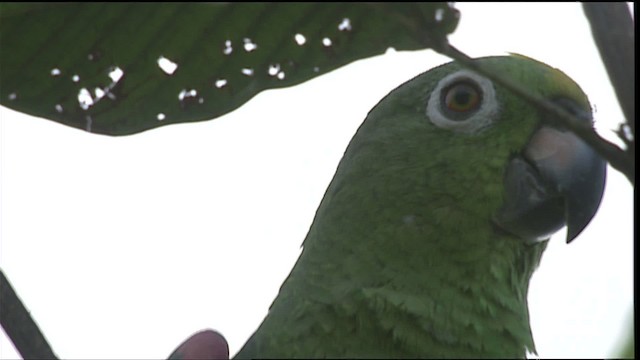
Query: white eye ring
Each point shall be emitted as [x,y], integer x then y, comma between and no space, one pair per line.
[476,121]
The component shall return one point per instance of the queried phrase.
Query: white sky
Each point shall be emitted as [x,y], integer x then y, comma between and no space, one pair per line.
[123,247]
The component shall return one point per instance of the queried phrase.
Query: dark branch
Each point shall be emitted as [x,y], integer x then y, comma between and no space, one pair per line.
[19,326]
[613,32]
[622,160]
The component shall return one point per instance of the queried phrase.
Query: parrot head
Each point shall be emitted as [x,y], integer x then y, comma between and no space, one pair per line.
[552,178]
[555,179]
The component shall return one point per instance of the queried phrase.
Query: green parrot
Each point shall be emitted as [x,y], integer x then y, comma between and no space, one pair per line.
[437,216]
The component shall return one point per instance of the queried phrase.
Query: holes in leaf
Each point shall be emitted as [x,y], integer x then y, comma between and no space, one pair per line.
[316,69]
[247,71]
[55,72]
[326,42]
[189,97]
[99,93]
[300,39]
[185,94]
[228,49]
[273,70]
[345,25]
[220,83]
[84,99]
[115,73]
[160,116]
[276,70]
[439,15]
[166,65]
[249,45]
[59,108]
[12,96]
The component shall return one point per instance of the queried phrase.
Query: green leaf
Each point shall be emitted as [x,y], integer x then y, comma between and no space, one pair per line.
[122,68]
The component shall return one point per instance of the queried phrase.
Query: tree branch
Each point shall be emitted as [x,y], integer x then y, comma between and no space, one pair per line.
[613,32]
[19,326]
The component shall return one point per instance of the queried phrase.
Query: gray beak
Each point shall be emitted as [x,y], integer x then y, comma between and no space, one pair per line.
[557,180]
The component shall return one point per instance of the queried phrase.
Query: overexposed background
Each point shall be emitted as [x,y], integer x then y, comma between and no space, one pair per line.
[122,247]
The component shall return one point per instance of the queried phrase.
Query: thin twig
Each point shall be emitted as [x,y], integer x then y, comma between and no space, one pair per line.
[19,325]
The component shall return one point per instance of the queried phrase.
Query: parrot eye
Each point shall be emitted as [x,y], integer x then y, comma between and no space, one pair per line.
[464,102]
[462,97]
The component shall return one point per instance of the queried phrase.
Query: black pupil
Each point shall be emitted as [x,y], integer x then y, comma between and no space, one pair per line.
[462,95]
